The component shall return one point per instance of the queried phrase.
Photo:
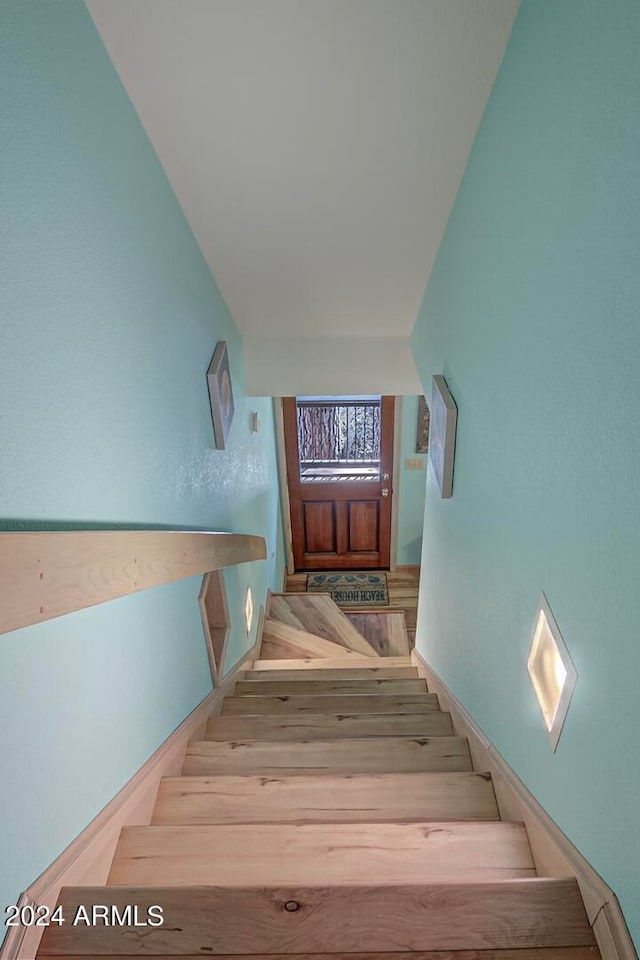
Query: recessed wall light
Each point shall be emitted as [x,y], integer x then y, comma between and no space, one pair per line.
[248,610]
[552,671]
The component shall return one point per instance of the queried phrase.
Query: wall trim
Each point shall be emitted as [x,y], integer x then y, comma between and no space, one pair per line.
[87,859]
[285,503]
[395,482]
[553,853]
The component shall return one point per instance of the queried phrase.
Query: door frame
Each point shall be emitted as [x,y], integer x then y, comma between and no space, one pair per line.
[285,503]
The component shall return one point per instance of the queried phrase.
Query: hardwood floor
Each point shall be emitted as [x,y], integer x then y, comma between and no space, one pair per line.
[403,594]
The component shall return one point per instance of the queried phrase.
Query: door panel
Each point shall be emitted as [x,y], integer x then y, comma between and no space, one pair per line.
[340,488]
[319,526]
[364,525]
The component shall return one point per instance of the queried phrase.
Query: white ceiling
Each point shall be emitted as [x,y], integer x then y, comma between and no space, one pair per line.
[316,146]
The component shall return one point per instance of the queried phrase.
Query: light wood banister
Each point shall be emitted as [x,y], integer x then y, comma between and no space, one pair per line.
[47,574]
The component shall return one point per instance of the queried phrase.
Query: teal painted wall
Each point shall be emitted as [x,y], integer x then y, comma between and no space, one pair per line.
[412,489]
[108,319]
[533,315]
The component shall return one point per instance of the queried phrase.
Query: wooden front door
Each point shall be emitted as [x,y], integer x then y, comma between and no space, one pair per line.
[339,465]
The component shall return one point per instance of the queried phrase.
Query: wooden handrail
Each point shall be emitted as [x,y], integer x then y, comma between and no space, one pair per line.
[47,574]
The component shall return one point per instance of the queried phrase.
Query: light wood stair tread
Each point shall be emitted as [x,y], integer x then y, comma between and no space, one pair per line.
[512,915]
[303,662]
[336,798]
[385,630]
[326,687]
[336,853]
[319,615]
[357,703]
[351,672]
[282,640]
[310,726]
[369,755]
[514,953]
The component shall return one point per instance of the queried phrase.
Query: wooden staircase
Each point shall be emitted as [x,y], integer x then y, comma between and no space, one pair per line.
[330,810]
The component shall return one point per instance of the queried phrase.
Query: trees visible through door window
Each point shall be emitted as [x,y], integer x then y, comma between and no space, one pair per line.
[338,438]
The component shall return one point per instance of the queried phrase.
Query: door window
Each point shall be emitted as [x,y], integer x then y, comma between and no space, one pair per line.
[338,438]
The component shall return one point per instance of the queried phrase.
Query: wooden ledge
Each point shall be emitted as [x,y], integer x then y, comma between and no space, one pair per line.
[47,574]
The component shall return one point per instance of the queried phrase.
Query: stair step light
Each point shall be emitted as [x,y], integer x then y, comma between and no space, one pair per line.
[552,672]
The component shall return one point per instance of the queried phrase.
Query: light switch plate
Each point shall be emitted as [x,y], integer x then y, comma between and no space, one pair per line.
[416,464]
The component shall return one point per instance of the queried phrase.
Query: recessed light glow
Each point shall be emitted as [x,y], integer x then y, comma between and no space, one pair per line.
[552,672]
[248,609]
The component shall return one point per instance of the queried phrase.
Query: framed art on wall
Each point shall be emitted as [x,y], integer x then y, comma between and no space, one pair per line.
[220,394]
[444,417]
[422,436]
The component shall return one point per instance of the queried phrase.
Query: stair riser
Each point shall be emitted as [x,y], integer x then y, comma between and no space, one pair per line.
[371,687]
[312,799]
[517,916]
[330,663]
[321,854]
[357,704]
[321,757]
[283,640]
[326,727]
[334,673]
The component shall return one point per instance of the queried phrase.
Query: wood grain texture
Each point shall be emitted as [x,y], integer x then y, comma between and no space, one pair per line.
[386,631]
[45,575]
[329,687]
[333,673]
[518,916]
[329,663]
[324,727]
[368,755]
[320,616]
[319,854]
[341,798]
[403,592]
[281,640]
[358,703]
[539,953]
[280,610]
[363,526]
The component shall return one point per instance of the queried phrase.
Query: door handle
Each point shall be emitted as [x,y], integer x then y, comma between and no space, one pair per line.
[384,492]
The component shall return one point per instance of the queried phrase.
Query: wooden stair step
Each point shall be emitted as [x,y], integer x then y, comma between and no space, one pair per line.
[368,755]
[330,663]
[386,631]
[281,640]
[537,915]
[373,686]
[311,726]
[336,798]
[318,614]
[352,672]
[336,853]
[358,703]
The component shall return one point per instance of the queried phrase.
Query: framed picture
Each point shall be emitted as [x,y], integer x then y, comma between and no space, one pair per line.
[444,417]
[422,437]
[220,394]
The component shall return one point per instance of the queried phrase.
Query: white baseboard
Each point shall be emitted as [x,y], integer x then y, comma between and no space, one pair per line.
[87,859]
[553,853]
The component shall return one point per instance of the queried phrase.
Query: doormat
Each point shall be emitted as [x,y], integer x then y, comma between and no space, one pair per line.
[351,589]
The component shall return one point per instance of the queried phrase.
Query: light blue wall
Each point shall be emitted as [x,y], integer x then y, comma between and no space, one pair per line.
[108,320]
[533,315]
[412,489]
